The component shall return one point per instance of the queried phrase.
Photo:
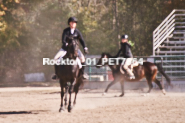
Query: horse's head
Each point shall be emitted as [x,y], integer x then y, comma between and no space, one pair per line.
[103,60]
[72,47]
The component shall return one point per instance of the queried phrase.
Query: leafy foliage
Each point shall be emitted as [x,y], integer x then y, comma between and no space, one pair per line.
[32,29]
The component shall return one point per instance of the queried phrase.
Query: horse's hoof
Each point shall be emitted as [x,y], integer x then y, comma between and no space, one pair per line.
[145,94]
[69,108]
[164,92]
[121,95]
[61,109]
[104,94]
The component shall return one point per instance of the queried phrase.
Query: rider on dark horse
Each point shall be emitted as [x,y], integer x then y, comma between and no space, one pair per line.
[126,53]
[75,34]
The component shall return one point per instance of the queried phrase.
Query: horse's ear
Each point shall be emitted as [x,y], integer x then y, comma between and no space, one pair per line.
[105,56]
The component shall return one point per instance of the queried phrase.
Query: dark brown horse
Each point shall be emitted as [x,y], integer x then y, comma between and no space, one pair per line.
[70,76]
[147,70]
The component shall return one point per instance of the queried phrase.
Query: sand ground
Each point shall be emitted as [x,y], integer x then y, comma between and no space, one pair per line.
[41,105]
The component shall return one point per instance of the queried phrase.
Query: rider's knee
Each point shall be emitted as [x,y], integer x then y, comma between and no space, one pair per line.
[60,53]
[125,66]
[81,56]
[82,59]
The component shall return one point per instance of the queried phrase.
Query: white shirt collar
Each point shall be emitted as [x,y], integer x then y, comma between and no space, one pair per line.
[72,31]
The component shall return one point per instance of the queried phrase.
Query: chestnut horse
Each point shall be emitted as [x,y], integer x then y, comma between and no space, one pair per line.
[148,70]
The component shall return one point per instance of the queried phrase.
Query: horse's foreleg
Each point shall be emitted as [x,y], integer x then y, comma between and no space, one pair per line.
[122,88]
[71,88]
[73,84]
[109,85]
[74,102]
[70,92]
[66,93]
[62,95]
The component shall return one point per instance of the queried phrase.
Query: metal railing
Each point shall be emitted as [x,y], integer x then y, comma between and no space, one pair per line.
[175,70]
[174,66]
[164,30]
[105,74]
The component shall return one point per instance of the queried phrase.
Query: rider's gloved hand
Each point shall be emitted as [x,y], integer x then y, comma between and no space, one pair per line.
[86,50]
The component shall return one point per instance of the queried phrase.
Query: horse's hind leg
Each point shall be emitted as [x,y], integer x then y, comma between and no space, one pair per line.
[76,88]
[160,86]
[149,80]
[122,88]
[79,81]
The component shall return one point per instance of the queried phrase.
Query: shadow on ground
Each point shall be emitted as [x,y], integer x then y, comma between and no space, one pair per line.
[21,112]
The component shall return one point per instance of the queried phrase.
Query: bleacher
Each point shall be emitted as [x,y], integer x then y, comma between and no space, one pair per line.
[169,42]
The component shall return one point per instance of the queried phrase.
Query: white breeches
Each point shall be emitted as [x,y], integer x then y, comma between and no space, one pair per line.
[128,61]
[61,53]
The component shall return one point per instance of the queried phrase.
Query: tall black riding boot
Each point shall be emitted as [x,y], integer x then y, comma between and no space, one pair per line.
[54,77]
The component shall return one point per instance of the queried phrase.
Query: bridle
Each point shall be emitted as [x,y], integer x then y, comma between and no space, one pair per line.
[72,47]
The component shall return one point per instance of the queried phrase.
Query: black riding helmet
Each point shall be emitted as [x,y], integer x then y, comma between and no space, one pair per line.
[124,36]
[72,19]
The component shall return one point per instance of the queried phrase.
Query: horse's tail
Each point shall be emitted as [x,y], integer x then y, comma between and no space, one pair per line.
[161,70]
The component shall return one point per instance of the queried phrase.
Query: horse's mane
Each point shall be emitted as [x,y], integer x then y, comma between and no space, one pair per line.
[108,55]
